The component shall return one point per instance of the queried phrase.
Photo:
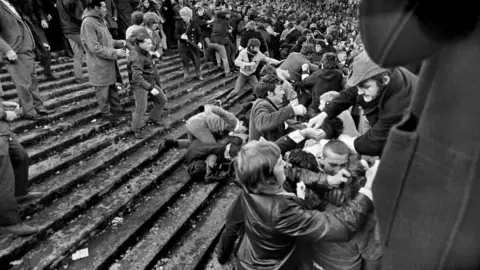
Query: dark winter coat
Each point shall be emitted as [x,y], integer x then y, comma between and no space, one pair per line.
[99,50]
[248,34]
[267,120]
[70,13]
[382,113]
[220,32]
[427,186]
[322,81]
[193,32]
[14,33]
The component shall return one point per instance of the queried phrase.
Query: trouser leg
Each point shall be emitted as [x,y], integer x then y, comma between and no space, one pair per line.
[8,204]
[20,162]
[140,108]
[77,58]
[160,101]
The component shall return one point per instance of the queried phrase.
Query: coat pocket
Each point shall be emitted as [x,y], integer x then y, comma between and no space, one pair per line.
[395,163]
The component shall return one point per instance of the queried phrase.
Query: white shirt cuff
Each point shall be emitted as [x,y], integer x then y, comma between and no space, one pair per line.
[237,126]
[296,136]
[367,193]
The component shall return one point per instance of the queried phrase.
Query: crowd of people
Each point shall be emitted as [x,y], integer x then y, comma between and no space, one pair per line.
[304,151]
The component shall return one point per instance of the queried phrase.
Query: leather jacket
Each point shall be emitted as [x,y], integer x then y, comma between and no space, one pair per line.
[276,225]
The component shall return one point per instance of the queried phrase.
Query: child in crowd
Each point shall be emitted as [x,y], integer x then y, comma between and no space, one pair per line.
[145,82]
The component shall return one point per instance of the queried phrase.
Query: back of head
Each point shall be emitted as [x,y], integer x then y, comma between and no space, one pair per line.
[137,18]
[329,61]
[254,164]
[307,49]
[268,70]
[264,86]
[337,147]
[253,42]
[333,128]
[303,160]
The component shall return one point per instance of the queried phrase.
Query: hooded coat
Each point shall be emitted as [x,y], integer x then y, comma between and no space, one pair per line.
[99,49]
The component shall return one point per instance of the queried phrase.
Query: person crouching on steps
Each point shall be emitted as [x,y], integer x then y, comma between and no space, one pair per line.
[145,82]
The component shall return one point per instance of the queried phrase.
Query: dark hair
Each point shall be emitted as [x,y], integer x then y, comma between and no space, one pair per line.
[268,70]
[307,49]
[333,128]
[197,170]
[337,147]
[304,160]
[137,18]
[379,77]
[357,180]
[253,42]
[91,4]
[329,61]
[301,40]
[262,88]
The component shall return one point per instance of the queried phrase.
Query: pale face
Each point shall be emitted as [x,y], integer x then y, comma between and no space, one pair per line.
[103,10]
[185,18]
[369,89]
[334,163]
[146,45]
[318,48]
[277,95]
[146,4]
[279,171]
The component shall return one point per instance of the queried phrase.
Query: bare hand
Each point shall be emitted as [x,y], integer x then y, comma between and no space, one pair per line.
[11,116]
[370,174]
[299,109]
[114,18]
[336,197]
[301,190]
[336,180]
[49,17]
[314,134]
[317,121]
[208,109]
[46,46]
[184,36]
[44,24]
[12,56]
[305,67]
[155,91]
[121,52]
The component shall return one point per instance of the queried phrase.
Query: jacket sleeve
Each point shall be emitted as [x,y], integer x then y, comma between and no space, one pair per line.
[345,100]
[178,31]
[372,142]
[234,225]
[295,220]
[239,61]
[91,41]
[4,47]
[3,114]
[266,120]
[114,10]
[137,75]
[228,117]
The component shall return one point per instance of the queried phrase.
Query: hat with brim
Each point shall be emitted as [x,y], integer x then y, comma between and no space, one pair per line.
[363,68]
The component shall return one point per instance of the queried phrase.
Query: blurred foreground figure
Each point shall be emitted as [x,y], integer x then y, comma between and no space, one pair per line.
[426,193]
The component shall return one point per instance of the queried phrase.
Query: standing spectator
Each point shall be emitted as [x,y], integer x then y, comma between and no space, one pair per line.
[145,81]
[248,60]
[112,17]
[218,40]
[188,34]
[152,6]
[124,12]
[17,45]
[70,13]
[38,21]
[13,173]
[251,32]
[137,21]
[102,58]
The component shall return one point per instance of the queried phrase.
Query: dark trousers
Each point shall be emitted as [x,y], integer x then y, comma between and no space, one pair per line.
[108,99]
[190,54]
[13,178]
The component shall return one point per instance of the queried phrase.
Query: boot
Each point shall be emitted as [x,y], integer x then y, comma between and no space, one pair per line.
[19,229]
[30,197]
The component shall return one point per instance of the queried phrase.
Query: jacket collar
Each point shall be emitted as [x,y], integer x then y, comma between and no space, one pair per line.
[397,82]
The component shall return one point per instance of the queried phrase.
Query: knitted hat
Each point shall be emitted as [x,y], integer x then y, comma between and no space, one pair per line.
[363,68]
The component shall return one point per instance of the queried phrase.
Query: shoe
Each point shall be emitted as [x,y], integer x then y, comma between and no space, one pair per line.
[212,177]
[30,196]
[122,112]
[32,117]
[51,77]
[156,123]
[200,78]
[44,111]
[80,81]
[138,135]
[167,144]
[110,116]
[19,229]
[230,74]
[185,75]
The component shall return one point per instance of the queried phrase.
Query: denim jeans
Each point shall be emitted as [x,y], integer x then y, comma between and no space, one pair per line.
[221,52]
[141,99]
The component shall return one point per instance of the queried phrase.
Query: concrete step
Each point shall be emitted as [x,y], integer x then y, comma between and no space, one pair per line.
[190,250]
[155,209]
[61,183]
